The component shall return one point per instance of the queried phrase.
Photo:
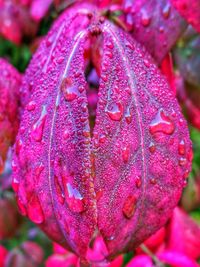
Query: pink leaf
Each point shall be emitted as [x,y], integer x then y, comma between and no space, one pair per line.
[190,10]
[140,261]
[39,8]
[10,81]
[176,259]
[155,24]
[121,180]
[184,234]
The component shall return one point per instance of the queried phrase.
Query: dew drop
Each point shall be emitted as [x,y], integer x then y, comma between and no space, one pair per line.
[35,212]
[152,147]
[31,106]
[15,184]
[126,154]
[38,127]
[115,111]
[128,116]
[166,11]
[161,123]
[181,147]
[182,161]
[129,207]
[138,182]
[145,19]
[74,199]
[70,92]
[59,191]
[38,170]
[153,181]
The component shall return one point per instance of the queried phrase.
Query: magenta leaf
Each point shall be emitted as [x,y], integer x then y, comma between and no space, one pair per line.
[120,180]
[154,23]
[15,21]
[184,234]
[10,81]
[190,10]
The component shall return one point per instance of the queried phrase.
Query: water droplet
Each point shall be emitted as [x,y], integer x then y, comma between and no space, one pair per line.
[102,138]
[182,161]
[31,106]
[74,199]
[59,191]
[35,212]
[145,19]
[125,154]
[70,92]
[166,11]
[146,63]
[38,127]
[181,147]
[161,123]
[153,181]
[115,111]
[15,184]
[129,207]
[13,164]
[21,207]
[128,116]
[138,182]
[152,147]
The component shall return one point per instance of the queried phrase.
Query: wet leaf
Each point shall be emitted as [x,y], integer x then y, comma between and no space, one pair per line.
[120,180]
[154,23]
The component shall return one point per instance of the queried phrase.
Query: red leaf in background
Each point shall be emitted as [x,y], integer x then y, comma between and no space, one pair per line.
[141,261]
[184,234]
[39,8]
[190,10]
[176,259]
[191,195]
[190,100]
[9,217]
[57,260]
[10,81]
[155,23]
[3,254]
[29,254]
[15,21]
[120,180]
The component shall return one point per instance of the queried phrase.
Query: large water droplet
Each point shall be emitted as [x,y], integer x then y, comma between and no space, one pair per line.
[35,212]
[115,111]
[138,182]
[38,127]
[74,199]
[70,92]
[129,207]
[161,123]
